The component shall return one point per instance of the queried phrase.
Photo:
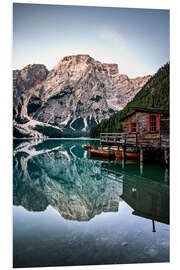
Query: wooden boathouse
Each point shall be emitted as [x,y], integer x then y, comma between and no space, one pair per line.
[146,129]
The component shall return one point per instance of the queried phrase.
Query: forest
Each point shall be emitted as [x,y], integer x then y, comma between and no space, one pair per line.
[157,86]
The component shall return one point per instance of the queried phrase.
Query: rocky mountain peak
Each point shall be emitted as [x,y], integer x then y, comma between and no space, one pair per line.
[29,76]
[111,69]
[141,80]
[73,60]
[76,59]
[76,94]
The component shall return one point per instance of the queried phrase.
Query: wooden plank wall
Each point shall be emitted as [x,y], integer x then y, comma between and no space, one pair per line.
[143,137]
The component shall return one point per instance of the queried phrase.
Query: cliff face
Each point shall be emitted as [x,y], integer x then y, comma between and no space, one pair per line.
[76,94]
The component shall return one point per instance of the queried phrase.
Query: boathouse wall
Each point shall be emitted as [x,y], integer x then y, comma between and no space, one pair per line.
[142,121]
[164,125]
[139,124]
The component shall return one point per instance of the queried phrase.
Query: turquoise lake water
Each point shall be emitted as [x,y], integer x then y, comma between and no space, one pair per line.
[73,210]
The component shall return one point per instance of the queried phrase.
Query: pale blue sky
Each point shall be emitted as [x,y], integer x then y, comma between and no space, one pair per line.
[136,39]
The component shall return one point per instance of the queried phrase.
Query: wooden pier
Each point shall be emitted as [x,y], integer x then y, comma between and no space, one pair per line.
[146,129]
[133,139]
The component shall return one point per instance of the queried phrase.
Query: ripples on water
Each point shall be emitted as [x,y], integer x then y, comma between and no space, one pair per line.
[71,210]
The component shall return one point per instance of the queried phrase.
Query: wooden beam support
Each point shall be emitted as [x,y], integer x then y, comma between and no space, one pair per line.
[123,156]
[123,152]
[153,225]
[141,168]
[166,176]
[123,163]
[141,155]
[166,156]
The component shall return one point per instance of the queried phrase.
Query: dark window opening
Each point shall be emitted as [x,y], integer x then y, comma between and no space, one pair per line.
[133,127]
[153,123]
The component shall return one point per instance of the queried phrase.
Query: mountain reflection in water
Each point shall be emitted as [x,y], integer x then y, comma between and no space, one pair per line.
[64,201]
[65,179]
[79,188]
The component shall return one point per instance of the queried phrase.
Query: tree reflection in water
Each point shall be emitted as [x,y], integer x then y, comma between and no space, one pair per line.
[61,175]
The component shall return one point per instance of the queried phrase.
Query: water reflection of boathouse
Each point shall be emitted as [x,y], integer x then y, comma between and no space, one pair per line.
[149,199]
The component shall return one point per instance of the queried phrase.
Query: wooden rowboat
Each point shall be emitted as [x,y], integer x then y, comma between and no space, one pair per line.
[118,154]
[132,155]
[88,147]
[127,154]
[110,153]
[102,153]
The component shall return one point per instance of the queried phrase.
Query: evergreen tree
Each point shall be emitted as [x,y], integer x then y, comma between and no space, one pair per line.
[158,86]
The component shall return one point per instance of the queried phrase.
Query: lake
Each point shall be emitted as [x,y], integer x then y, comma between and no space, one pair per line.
[69,209]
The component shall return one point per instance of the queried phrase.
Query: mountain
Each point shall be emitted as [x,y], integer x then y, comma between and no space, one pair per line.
[157,85]
[77,94]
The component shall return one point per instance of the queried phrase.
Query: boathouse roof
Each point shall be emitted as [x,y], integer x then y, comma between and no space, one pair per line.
[147,110]
[151,110]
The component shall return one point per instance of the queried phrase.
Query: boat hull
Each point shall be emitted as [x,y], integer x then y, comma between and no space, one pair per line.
[88,147]
[127,155]
[101,153]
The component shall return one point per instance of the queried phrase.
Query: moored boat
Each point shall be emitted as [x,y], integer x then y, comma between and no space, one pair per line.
[102,153]
[132,155]
[118,154]
[88,147]
[127,155]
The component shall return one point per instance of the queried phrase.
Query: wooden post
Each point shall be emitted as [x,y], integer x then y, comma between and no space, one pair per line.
[166,156]
[166,176]
[154,229]
[141,168]
[141,154]
[123,163]
[123,156]
[123,152]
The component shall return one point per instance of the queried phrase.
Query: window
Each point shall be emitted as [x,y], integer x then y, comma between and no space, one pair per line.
[133,127]
[153,123]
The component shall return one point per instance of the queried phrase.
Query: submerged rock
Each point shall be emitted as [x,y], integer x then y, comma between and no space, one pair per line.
[124,244]
[151,251]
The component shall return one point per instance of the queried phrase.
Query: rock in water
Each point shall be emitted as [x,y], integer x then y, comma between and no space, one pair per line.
[75,95]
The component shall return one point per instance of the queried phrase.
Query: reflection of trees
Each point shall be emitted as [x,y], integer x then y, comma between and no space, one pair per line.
[59,174]
[148,198]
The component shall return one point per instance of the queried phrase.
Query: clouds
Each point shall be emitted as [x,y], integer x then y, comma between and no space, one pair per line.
[108,33]
[136,39]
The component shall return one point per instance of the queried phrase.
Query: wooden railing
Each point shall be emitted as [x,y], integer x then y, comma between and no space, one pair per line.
[165,141]
[118,138]
[133,139]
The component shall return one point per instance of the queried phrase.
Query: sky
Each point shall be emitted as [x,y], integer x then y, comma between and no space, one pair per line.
[135,39]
